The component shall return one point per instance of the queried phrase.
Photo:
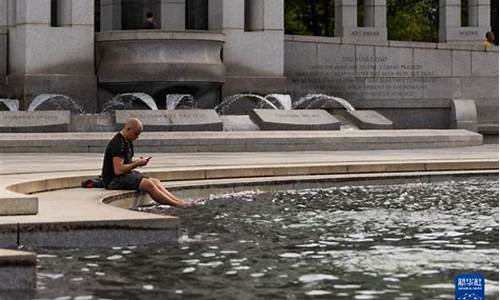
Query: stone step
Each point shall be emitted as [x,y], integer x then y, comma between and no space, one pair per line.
[259,141]
[17,204]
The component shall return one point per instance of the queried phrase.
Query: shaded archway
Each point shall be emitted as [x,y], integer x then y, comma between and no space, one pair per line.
[494,19]
[197,14]
[134,13]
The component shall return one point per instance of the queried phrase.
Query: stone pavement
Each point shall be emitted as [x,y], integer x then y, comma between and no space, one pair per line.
[29,165]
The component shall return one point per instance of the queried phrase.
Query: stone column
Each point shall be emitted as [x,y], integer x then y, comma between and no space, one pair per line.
[346,21]
[449,19]
[54,60]
[111,15]
[215,15]
[450,29]
[64,12]
[254,15]
[346,17]
[254,48]
[4,17]
[376,14]
[173,15]
[479,14]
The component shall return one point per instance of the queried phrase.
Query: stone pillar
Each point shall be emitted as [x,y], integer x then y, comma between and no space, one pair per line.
[64,12]
[346,17]
[111,15]
[254,48]
[55,60]
[479,14]
[4,29]
[450,29]
[173,15]
[376,14]
[346,21]
[215,15]
[254,15]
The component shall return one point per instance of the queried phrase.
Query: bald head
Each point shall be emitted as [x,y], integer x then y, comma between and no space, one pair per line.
[132,129]
[133,123]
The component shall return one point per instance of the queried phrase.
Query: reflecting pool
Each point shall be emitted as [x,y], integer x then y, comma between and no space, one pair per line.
[358,242]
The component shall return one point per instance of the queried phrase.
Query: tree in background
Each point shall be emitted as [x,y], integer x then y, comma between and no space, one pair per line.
[309,17]
[407,20]
[413,20]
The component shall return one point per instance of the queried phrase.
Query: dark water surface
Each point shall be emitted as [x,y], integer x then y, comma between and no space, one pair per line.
[370,242]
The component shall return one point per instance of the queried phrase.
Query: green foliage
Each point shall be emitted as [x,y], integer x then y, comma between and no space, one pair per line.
[309,17]
[407,20]
[413,20]
[295,18]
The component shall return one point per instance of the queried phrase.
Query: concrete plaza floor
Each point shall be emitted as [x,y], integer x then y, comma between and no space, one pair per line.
[30,165]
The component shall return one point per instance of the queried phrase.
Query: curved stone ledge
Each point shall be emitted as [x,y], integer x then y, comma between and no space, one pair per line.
[156,56]
[126,35]
[206,188]
[203,173]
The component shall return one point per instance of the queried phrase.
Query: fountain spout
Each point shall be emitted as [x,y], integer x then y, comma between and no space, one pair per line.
[224,106]
[173,100]
[310,100]
[118,101]
[11,104]
[54,102]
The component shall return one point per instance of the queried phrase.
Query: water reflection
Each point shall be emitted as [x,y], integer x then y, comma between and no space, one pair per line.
[373,242]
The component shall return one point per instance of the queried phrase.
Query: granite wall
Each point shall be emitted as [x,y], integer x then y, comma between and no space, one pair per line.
[51,58]
[409,82]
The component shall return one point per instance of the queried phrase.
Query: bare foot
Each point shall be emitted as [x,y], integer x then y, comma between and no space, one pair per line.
[186,204]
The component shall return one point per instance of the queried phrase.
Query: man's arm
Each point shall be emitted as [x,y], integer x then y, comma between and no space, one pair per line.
[119,167]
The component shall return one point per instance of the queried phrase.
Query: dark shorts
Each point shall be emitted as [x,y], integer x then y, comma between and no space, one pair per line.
[129,181]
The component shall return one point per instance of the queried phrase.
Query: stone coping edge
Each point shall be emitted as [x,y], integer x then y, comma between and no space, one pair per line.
[127,35]
[204,173]
[201,188]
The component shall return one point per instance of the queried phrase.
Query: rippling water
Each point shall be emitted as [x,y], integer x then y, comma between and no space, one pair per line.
[371,242]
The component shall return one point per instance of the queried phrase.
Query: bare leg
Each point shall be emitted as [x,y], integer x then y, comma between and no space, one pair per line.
[160,186]
[157,194]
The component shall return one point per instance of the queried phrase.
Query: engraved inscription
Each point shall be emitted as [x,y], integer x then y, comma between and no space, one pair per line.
[468,33]
[362,77]
[167,118]
[33,119]
[365,33]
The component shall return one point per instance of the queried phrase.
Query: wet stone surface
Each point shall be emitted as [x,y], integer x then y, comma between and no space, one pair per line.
[373,242]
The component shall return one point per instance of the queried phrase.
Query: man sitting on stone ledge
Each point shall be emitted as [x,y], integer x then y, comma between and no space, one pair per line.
[118,167]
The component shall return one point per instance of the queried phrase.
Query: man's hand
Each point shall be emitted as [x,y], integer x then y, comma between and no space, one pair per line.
[141,161]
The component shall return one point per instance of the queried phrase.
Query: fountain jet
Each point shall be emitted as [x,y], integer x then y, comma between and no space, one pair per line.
[54,102]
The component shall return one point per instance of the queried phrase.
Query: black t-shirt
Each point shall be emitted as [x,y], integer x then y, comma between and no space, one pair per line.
[118,146]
